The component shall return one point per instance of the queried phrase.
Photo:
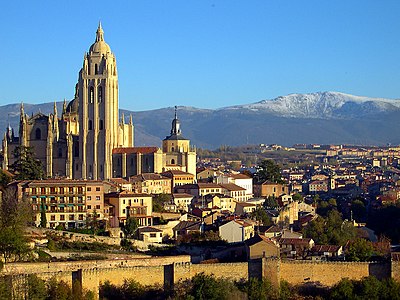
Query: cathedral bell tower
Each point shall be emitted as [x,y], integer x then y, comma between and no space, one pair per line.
[98,112]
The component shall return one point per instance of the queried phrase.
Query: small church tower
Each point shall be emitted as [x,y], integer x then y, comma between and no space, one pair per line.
[178,154]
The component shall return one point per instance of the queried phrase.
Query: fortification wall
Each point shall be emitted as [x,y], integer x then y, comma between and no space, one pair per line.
[329,273]
[233,271]
[68,266]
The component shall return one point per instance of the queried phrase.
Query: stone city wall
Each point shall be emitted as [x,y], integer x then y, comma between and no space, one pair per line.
[166,271]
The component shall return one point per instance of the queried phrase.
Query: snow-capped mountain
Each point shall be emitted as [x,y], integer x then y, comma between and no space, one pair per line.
[323,117]
[322,105]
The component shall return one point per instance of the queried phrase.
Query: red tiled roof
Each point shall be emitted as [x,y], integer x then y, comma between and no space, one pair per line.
[130,150]
[232,187]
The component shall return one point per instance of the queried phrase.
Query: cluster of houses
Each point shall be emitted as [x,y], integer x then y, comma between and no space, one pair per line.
[219,201]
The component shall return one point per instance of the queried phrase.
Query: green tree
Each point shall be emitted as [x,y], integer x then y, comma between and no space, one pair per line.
[14,217]
[92,221]
[258,289]
[131,224]
[270,202]
[159,200]
[36,288]
[26,166]
[359,250]
[330,230]
[43,218]
[5,179]
[269,171]
[261,215]
[344,289]
[207,287]
[297,197]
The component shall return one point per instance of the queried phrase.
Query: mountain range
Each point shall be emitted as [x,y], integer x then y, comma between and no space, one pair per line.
[322,117]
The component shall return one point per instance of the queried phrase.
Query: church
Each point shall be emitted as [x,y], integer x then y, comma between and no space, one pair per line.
[89,140]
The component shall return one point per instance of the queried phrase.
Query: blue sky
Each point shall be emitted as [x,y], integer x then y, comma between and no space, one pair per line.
[204,53]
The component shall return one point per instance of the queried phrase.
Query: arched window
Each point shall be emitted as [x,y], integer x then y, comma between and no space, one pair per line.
[90,124]
[96,69]
[172,149]
[91,94]
[101,125]
[100,94]
[172,161]
[38,134]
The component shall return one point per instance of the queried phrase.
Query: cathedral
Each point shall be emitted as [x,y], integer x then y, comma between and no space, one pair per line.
[89,140]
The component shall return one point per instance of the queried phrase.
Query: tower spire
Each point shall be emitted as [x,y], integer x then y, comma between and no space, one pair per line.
[99,33]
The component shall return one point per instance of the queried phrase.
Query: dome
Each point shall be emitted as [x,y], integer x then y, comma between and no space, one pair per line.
[73,106]
[100,46]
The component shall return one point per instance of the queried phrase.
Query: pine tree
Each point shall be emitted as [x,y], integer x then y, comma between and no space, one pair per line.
[26,166]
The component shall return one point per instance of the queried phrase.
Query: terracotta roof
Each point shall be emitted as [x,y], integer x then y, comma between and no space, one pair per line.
[176,172]
[148,229]
[188,225]
[232,187]
[182,195]
[130,150]
[259,238]
[119,180]
[325,248]
[288,241]
[273,228]
[148,176]
[206,185]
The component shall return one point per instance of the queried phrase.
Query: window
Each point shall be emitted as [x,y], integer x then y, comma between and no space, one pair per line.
[101,125]
[89,207]
[62,217]
[52,218]
[97,206]
[59,152]
[172,161]
[123,211]
[80,217]
[100,94]
[97,189]
[91,94]
[97,198]
[90,125]
[71,217]
[96,69]
[153,235]
[38,134]
[131,161]
[89,198]
[89,189]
